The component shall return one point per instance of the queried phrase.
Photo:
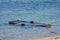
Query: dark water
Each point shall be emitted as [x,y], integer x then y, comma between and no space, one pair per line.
[43,11]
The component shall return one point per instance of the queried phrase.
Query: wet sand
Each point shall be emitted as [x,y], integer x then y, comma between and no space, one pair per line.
[57,37]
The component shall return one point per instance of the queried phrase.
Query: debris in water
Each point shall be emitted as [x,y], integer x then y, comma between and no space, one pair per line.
[54,32]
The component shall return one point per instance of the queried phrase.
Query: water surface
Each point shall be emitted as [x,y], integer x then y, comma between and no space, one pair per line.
[38,11]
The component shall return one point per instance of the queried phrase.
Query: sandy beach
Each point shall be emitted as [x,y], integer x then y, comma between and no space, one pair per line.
[57,37]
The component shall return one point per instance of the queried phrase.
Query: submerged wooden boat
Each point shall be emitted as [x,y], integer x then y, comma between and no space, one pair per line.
[31,23]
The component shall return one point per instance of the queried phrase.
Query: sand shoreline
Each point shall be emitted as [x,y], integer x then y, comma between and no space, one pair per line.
[55,37]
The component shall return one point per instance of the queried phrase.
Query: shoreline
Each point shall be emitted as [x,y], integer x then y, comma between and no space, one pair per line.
[53,37]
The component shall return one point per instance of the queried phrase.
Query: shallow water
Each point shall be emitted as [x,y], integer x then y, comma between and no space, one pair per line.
[38,11]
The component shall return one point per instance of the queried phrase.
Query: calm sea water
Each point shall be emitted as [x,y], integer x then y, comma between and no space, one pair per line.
[38,11]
